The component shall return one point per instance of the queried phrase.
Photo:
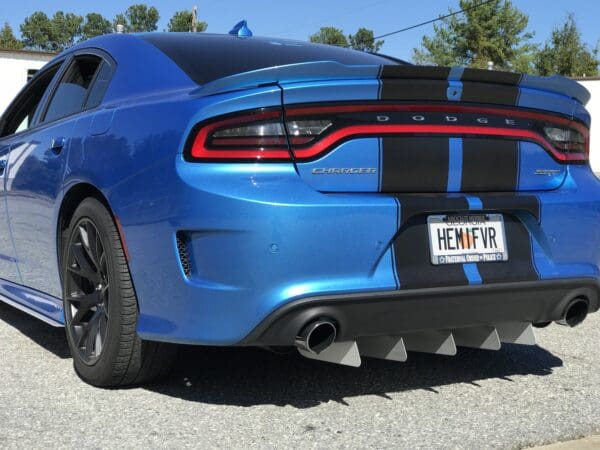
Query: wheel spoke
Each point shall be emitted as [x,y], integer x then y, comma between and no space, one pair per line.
[83,267]
[92,332]
[83,304]
[102,327]
[88,235]
[78,332]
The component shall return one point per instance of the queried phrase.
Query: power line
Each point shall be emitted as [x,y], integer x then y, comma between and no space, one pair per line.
[435,20]
[329,19]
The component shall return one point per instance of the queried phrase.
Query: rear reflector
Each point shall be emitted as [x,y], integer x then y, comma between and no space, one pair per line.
[312,131]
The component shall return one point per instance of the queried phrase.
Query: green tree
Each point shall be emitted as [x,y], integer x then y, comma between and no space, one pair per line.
[495,32]
[182,21]
[138,18]
[8,39]
[330,36]
[54,35]
[95,25]
[364,40]
[36,31]
[566,54]
[65,30]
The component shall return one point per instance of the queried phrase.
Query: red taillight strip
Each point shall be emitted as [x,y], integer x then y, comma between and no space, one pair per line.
[378,130]
[200,151]
[274,148]
[510,113]
[253,154]
[344,133]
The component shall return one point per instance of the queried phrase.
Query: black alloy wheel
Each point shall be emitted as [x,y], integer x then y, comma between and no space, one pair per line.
[87,291]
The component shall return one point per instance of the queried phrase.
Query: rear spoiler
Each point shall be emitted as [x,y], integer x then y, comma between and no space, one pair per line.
[330,70]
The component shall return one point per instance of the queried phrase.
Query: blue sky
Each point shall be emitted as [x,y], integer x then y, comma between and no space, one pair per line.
[298,19]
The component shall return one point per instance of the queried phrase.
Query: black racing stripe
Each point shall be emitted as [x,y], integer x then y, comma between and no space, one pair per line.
[415,72]
[498,94]
[415,164]
[411,246]
[424,90]
[489,165]
[519,266]
[412,206]
[491,76]
[513,203]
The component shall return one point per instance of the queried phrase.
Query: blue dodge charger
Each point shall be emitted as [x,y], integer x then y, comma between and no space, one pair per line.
[229,190]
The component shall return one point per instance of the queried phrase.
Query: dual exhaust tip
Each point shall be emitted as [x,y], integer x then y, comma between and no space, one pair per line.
[575,312]
[317,336]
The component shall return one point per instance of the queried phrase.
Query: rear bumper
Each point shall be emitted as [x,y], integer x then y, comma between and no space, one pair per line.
[400,312]
[259,238]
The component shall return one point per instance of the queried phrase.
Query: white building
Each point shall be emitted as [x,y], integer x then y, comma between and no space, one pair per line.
[16,67]
[593,85]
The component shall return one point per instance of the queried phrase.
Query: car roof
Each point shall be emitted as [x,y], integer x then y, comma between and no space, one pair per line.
[205,57]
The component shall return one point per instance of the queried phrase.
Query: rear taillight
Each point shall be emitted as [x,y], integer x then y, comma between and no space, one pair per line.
[312,131]
[255,136]
[249,137]
[568,141]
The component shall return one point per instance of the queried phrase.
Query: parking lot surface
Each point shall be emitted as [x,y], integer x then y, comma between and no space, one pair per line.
[241,398]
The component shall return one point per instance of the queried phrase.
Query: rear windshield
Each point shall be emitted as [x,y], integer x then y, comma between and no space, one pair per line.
[207,57]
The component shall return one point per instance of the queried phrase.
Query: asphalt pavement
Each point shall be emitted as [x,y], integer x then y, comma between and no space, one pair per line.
[244,398]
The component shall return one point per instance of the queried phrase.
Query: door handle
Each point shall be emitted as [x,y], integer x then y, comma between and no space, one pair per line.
[58,144]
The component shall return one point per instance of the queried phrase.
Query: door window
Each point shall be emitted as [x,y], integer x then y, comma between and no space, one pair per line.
[72,92]
[20,113]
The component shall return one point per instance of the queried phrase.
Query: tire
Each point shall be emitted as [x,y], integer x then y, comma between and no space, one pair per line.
[101,311]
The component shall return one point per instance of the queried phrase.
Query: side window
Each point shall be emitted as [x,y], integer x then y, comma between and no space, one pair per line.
[99,87]
[71,94]
[20,113]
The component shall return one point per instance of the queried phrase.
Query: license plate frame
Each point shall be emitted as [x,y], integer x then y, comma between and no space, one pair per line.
[482,238]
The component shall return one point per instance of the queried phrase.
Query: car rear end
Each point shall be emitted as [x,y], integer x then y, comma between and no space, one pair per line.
[371,209]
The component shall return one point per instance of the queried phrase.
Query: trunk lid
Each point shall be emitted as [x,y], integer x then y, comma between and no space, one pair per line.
[433,129]
[418,129]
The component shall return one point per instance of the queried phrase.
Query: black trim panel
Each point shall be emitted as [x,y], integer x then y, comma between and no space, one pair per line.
[512,202]
[413,205]
[413,267]
[520,266]
[411,245]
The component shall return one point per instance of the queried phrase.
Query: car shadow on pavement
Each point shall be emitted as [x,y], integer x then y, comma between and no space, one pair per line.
[248,377]
[51,338]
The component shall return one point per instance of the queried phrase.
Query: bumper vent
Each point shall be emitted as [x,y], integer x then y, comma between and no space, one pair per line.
[182,250]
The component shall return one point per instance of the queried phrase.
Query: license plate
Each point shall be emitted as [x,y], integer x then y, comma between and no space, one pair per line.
[470,238]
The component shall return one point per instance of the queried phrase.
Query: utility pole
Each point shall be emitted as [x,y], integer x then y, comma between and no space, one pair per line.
[194,19]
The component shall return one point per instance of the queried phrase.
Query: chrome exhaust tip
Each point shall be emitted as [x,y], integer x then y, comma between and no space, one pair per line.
[317,336]
[575,313]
